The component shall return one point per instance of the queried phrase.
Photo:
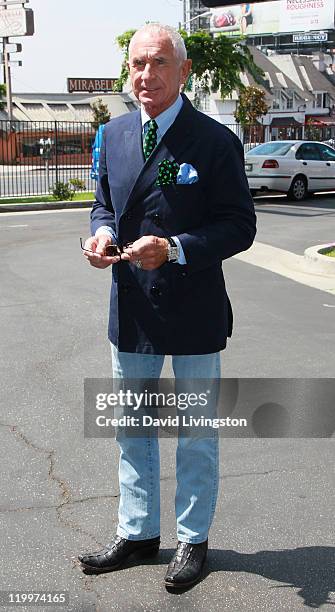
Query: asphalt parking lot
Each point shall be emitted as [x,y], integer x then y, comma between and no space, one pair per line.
[271,544]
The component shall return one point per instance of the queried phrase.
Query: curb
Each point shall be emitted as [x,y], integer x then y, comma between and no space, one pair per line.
[5,208]
[317,262]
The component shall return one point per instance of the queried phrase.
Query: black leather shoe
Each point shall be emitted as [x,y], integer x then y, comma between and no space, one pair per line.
[117,552]
[185,567]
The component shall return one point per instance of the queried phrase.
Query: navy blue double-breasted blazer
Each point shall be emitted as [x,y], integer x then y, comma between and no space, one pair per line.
[175,309]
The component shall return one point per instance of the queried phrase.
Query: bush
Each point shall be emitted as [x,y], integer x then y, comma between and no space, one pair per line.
[62,191]
[77,184]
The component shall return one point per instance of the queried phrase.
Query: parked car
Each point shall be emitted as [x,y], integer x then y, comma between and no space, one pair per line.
[295,167]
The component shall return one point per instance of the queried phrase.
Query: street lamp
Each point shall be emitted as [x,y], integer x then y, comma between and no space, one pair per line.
[303,107]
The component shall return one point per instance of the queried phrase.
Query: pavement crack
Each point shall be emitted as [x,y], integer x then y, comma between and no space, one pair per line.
[265,473]
[65,492]
[55,506]
[88,586]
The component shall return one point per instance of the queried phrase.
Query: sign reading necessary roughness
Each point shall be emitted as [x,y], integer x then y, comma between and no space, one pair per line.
[282,16]
[16,22]
[90,85]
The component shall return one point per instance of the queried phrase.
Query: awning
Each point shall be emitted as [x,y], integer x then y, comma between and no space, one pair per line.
[320,120]
[285,122]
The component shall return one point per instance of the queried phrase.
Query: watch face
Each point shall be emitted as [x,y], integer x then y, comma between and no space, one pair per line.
[173,253]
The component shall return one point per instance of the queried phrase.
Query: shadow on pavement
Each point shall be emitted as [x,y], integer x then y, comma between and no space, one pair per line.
[311,569]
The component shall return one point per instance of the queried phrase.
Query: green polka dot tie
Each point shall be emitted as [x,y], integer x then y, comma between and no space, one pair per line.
[150,138]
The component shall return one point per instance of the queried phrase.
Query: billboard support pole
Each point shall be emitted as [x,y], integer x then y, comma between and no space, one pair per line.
[8,82]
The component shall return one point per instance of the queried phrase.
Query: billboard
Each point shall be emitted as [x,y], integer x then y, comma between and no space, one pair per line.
[274,17]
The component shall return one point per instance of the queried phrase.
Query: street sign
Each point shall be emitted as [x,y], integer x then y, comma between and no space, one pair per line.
[16,22]
[13,47]
[311,37]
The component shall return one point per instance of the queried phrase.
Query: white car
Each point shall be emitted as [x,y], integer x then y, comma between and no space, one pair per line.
[296,167]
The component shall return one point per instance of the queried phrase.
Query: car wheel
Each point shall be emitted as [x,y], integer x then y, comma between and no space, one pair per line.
[298,189]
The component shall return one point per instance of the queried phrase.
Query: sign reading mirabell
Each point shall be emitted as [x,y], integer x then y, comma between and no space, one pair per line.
[90,85]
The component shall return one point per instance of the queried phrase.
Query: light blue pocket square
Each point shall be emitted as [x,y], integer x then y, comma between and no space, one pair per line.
[187,175]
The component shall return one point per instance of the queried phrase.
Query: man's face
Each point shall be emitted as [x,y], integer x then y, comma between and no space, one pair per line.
[156,74]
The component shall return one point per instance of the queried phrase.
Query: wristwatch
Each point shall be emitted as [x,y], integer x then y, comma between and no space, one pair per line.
[173,250]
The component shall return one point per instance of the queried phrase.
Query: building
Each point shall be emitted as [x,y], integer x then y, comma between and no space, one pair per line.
[301,99]
[65,119]
[299,81]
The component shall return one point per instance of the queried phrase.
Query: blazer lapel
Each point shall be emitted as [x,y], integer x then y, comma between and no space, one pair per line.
[178,139]
[134,151]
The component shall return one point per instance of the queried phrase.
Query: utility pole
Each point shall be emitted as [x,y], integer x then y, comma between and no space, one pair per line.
[7,69]
[7,77]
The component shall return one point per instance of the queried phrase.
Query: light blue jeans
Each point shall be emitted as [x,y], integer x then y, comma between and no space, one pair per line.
[197,460]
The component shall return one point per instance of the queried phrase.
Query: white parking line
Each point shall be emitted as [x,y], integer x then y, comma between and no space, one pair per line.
[10,226]
[43,212]
[286,264]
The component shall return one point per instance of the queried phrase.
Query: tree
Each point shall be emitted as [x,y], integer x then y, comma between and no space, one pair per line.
[123,41]
[216,62]
[313,131]
[251,105]
[101,113]
[2,95]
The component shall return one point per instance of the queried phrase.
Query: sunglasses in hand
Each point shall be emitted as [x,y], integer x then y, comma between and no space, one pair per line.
[111,250]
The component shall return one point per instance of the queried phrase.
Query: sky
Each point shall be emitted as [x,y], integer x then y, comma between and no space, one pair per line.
[76,38]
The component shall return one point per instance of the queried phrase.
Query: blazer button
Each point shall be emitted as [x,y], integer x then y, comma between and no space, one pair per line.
[156,291]
[157,220]
[184,274]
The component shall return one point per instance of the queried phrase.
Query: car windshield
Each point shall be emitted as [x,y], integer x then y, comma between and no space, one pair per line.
[271,148]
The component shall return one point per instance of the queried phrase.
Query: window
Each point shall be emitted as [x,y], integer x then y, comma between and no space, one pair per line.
[321,100]
[69,147]
[308,151]
[272,148]
[202,99]
[276,99]
[327,153]
[31,148]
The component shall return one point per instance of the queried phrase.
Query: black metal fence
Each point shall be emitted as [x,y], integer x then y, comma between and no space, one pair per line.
[34,155]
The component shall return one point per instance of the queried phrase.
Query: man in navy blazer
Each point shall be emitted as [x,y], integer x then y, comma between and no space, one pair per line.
[173,196]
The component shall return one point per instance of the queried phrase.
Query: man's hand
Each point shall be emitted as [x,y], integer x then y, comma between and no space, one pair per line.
[151,251]
[98,244]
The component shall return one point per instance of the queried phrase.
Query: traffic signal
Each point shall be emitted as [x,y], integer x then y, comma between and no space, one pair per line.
[215,3]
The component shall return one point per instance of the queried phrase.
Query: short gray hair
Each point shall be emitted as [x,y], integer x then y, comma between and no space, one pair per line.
[176,40]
